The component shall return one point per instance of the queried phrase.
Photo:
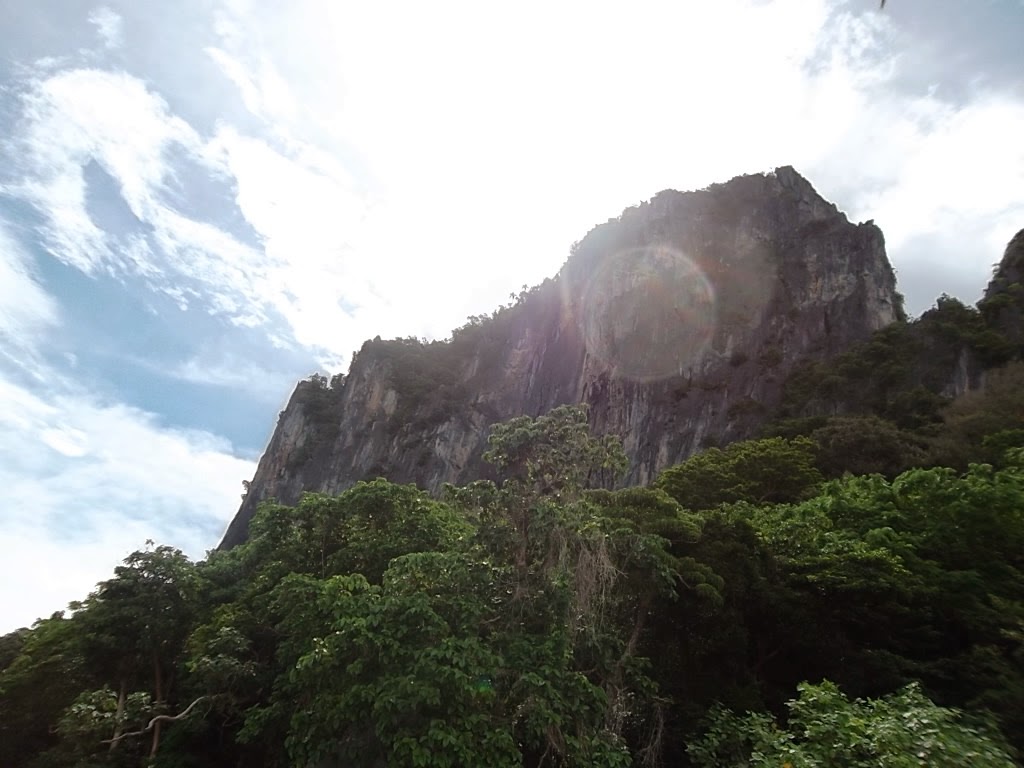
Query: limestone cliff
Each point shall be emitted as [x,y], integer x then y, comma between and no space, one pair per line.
[1003,304]
[676,322]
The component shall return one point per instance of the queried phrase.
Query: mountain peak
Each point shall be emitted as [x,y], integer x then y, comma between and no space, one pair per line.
[676,323]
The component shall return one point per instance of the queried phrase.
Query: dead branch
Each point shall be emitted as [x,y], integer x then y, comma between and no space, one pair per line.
[158,719]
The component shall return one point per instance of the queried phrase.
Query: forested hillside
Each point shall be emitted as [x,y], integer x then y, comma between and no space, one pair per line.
[742,611]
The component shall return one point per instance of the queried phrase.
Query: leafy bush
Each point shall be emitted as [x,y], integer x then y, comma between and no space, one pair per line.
[827,730]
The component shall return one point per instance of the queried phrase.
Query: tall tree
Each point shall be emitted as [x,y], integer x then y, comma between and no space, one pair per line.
[135,626]
[769,471]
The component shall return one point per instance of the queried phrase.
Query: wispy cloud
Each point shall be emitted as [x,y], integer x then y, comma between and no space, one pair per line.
[77,116]
[234,373]
[80,116]
[87,479]
[26,310]
[109,26]
[302,206]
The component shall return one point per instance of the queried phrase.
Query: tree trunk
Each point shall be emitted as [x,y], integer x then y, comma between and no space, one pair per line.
[614,719]
[158,689]
[122,695]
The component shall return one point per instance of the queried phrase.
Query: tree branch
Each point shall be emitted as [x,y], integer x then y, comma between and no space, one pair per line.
[158,719]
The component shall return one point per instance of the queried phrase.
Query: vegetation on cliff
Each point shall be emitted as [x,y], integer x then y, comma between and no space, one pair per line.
[911,395]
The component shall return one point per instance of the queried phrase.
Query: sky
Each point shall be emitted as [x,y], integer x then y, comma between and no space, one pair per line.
[203,201]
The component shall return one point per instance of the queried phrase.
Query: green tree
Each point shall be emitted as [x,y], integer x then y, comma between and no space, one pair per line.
[357,531]
[511,639]
[919,578]
[865,445]
[134,628]
[11,646]
[970,419]
[395,674]
[769,471]
[826,729]
[554,456]
[241,653]
[37,686]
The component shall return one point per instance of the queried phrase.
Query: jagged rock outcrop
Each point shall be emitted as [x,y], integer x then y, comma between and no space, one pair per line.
[676,322]
[1003,304]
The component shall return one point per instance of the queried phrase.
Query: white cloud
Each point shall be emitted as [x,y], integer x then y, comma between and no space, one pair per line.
[112,117]
[306,209]
[230,277]
[299,200]
[77,116]
[67,441]
[944,181]
[25,307]
[109,26]
[237,74]
[235,373]
[265,94]
[86,482]
[960,165]
[27,312]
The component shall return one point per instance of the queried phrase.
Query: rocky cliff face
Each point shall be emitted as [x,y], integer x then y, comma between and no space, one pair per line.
[676,323]
[1003,304]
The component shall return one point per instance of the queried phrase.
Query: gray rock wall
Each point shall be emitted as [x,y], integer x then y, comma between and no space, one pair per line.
[676,323]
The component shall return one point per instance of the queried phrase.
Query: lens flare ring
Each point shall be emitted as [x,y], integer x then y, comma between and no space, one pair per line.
[648,313]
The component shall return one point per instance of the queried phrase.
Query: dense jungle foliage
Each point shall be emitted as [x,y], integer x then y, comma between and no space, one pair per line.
[745,610]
